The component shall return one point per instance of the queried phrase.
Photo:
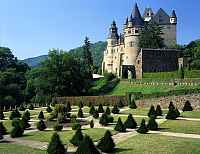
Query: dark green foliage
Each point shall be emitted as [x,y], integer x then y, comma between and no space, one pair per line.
[130,122]
[31,107]
[69,107]
[152,124]
[172,113]
[100,108]
[25,119]
[177,112]
[77,138]
[171,105]
[132,104]
[61,118]
[80,113]
[187,106]
[41,125]
[96,114]
[15,114]
[80,104]
[26,115]
[1,136]
[22,108]
[55,146]
[108,110]
[120,104]
[87,147]
[110,119]
[158,111]
[58,127]
[152,112]
[143,128]
[41,115]
[76,126]
[1,115]
[92,110]
[49,109]
[89,104]
[104,119]
[91,124]
[106,144]
[3,130]
[120,127]
[17,130]
[115,109]
[150,36]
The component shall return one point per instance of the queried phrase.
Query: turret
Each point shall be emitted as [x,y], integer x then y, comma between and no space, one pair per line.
[130,22]
[126,23]
[173,18]
[113,35]
[148,14]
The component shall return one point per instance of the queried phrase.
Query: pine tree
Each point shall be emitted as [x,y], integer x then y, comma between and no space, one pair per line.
[77,138]
[130,122]
[80,113]
[108,110]
[100,108]
[80,104]
[87,147]
[120,104]
[104,119]
[158,111]
[17,130]
[91,124]
[49,109]
[41,125]
[152,112]
[106,144]
[96,114]
[1,115]
[143,128]
[115,110]
[120,126]
[132,104]
[92,110]
[55,146]
[3,130]
[152,124]
[187,106]
[41,115]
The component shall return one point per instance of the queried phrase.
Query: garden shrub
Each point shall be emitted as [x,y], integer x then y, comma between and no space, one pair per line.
[80,113]
[158,111]
[104,119]
[100,108]
[3,130]
[58,127]
[61,118]
[22,108]
[27,115]
[91,124]
[187,106]
[17,130]
[132,104]
[120,104]
[41,125]
[31,107]
[80,104]
[77,138]
[108,110]
[15,114]
[120,126]
[76,126]
[96,114]
[152,124]
[92,110]
[25,120]
[115,110]
[1,115]
[152,112]
[41,115]
[172,114]
[143,128]
[130,122]
[49,109]
[110,119]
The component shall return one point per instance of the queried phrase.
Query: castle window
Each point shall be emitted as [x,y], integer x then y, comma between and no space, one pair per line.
[129,31]
[138,61]
[136,31]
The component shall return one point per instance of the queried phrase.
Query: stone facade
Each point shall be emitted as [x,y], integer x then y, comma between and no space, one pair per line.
[122,52]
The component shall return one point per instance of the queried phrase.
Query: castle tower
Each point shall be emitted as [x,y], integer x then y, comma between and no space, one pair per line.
[173,18]
[148,14]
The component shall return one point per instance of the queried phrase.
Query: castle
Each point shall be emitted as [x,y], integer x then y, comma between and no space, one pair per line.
[123,56]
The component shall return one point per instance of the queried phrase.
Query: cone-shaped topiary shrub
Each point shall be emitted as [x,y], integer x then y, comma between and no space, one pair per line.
[87,147]
[92,110]
[25,120]
[60,118]
[104,119]
[69,108]
[76,126]
[96,114]
[171,105]
[15,114]
[22,108]
[17,130]
[130,122]
[31,107]
[55,146]
[143,128]
[120,103]
[100,108]
[120,126]
[152,124]
[1,136]
[158,111]
[152,112]
[115,109]
[58,127]
[132,104]
[80,104]
[49,109]
[172,114]
[27,115]
[187,106]
[80,113]
[106,144]
[108,110]
[177,112]
[3,130]
[110,119]
[41,125]
[41,115]
[1,115]
[91,124]
[77,138]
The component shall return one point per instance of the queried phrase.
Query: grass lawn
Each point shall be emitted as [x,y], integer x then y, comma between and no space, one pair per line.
[181,126]
[7,148]
[123,118]
[156,144]
[191,114]
[45,136]
[8,125]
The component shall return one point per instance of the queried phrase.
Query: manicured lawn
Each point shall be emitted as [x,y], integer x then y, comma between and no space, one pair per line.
[156,144]
[6,148]
[191,114]
[8,125]
[45,136]
[181,126]
[123,118]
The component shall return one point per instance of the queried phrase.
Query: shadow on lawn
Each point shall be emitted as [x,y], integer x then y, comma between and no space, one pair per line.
[117,150]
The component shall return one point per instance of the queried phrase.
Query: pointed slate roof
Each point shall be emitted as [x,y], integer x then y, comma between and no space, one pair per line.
[137,18]
[148,12]
[161,17]
[173,14]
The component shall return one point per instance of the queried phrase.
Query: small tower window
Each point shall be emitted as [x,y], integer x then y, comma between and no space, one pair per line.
[129,31]
[136,31]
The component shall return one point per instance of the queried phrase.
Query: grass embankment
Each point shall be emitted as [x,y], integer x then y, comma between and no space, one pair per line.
[191,114]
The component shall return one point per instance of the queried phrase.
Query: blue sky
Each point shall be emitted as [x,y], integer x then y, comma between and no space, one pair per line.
[31,27]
